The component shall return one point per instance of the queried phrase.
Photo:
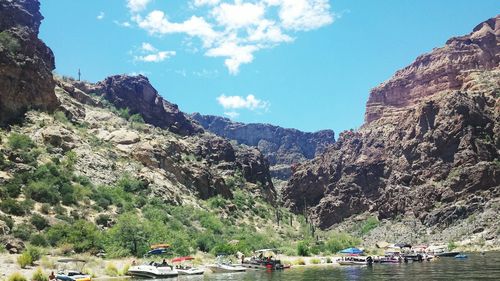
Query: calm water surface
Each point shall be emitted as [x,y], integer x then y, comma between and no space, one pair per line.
[476,267]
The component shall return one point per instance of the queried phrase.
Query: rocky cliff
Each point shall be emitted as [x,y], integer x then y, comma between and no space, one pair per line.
[445,68]
[429,149]
[282,147]
[26,63]
[139,96]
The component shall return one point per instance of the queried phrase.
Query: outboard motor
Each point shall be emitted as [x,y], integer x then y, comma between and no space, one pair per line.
[420,258]
[369,260]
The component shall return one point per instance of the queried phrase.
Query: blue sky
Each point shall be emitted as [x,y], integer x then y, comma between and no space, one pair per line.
[305,64]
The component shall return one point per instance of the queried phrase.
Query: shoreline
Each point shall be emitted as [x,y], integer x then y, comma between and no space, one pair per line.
[115,269]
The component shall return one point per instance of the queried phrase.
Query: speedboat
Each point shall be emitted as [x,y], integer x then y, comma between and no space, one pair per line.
[356,260]
[187,269]
[72,275]
[224,266]
[389,259]
[263,259]
[152,270]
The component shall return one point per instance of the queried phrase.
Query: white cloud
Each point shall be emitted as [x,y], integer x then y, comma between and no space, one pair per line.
[236,30]
[239,14]
[123,24]
[147,47]
[136,6]
[236,55]
[100,16]
[239,102]
[151,54]
[305,14]
[156,57]
[199,3]
[232,114]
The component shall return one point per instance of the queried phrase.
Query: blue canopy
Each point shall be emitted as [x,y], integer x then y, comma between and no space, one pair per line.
[351,251]
[157,251]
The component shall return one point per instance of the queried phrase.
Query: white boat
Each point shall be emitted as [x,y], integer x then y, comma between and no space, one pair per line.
[356,260]
[190,271]
[152,271]
[225,268]
[72,274]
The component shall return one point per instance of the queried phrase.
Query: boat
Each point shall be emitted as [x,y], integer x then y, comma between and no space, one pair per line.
[72,274]
[186,269]
[264,259]
[356,260]
[222,265]
[461,256]
[388,259]
[446,254]
[152,270]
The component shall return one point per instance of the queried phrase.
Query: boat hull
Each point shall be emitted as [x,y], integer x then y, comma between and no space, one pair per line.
[152,272]
[191,271]
[447,254]
[226,269]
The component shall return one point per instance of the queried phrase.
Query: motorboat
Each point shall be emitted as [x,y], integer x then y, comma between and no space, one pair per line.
[187,269]
[72,274]
[389,259]
[264,259]
[447,254]
[152,270]
[461,256]
[356,260]
[224,266]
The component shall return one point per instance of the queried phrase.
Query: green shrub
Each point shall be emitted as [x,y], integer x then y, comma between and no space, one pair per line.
[315,261]
[19,142]
[16,276]
[34,252]
[111,270]
[11,206]
[39,222]
[38,275]
[23,231]
[136,118]
[24,260]
[8,220]
[43,191]
[369,224]
[451,245]
[303,248]
[340,241]
[123,113]
[61,117]
[45,208]
[37,239]
[103,220]
[9,42]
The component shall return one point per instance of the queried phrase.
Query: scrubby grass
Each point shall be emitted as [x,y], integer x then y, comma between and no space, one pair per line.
[16,276]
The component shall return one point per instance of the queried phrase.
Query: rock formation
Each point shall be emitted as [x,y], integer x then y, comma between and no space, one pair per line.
[429,149]
[445,68]
[26,63]
[282,147]
[139,96]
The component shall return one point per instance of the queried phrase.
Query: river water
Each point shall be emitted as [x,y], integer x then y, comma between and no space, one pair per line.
[476,267]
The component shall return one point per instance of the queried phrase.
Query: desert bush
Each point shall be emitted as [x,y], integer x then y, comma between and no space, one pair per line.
[315,261]
[8,220]
[16,276]
[9,42]
[111,270]
[24,260]
[39,222]
[38,275]
[300,261]
[19,142]
[11,206]
[369,224]
[45,208]
[303,248]
[23,231]
[37,239]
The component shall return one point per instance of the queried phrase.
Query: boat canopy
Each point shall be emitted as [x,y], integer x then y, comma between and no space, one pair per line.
[181,259]
[156,252]
[352,251]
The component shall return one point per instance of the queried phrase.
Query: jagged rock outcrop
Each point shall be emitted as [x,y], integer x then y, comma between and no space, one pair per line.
[26,63]
[139,96]
[435,158]
[445,68]
[282,147]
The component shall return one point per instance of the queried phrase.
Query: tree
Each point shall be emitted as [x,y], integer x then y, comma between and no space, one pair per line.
[128,234]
